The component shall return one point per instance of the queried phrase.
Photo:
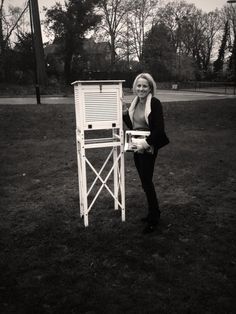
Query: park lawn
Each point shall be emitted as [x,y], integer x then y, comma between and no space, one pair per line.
[51,263]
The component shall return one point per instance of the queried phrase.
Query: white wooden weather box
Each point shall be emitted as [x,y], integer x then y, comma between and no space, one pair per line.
[98,107]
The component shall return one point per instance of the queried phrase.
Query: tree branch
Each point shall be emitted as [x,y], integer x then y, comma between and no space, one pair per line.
[13,27]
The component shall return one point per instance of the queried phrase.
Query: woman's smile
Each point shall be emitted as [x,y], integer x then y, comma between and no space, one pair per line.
[142,88]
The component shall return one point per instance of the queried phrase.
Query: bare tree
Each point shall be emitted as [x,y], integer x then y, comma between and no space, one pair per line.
[201,39]
[17,14]
[6,29]
[210,28]
[1,25]
[230,13]
[125,23]
[218,64]
[8,26]
[114,14]
[194,33]
[142,15]
[231,17]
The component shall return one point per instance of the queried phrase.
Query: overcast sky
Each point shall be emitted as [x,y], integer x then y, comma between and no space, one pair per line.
[205,5]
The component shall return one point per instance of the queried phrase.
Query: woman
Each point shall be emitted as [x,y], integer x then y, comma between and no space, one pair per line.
[145,113]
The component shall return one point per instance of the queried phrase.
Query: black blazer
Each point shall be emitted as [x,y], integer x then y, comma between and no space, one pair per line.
[157,137]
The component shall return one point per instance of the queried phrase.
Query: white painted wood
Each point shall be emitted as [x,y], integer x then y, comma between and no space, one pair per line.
[98,107]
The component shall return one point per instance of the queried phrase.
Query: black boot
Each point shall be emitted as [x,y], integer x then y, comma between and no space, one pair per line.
[151,227]
[152,223]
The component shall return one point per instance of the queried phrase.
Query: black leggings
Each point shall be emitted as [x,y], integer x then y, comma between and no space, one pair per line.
[145,165]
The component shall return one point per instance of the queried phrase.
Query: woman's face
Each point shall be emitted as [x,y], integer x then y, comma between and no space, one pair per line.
[142,88]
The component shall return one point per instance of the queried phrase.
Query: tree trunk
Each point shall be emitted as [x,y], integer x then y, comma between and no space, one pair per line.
[218,64]
[67,66]
[113,53]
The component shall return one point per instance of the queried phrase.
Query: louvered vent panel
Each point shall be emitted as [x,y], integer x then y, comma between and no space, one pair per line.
[77,108]
[100,106]
[76,92]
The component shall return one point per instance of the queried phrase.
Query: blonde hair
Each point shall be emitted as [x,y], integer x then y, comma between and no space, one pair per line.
[149,78]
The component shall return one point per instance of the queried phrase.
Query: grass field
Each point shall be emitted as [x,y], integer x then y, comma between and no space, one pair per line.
[51,263]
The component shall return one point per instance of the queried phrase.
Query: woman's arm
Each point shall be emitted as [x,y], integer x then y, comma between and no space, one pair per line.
[126,119]
[157,135]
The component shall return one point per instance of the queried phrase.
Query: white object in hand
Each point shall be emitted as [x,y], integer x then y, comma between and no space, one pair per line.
[140,143]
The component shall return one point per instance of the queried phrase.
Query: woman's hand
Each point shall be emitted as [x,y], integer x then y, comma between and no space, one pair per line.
[140,143]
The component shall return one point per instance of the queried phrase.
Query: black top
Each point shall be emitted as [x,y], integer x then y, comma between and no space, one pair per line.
[157,137]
